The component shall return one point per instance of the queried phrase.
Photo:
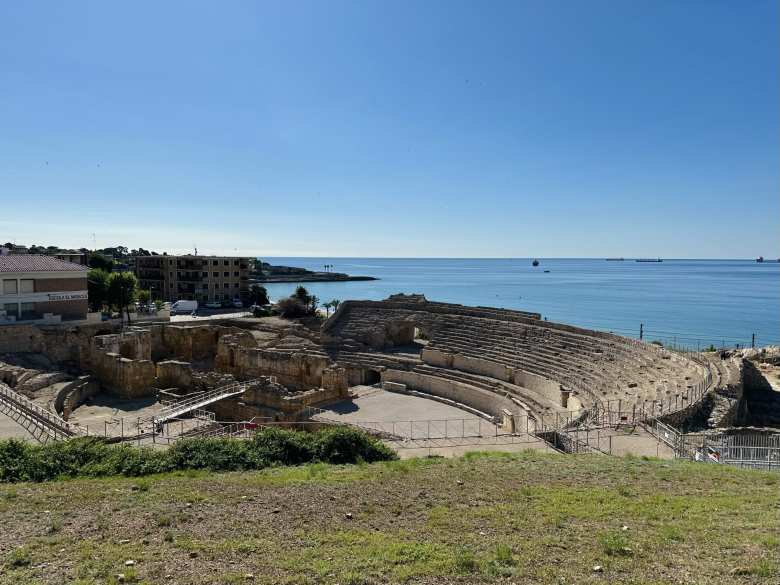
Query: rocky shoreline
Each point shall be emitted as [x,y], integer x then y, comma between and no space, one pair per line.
[313,277]
[273,274]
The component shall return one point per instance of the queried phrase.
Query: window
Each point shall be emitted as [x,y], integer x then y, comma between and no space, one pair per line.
[28,310]
[227,285]
[235,274]
[216,274]
[9,287]
[215,263]
[226,262]
[27,286]
[204,274]
[235,262]
[226,274]
[11,309]
[217,297]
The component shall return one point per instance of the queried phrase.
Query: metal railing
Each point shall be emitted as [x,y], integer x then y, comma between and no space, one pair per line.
[42,423]
[191,403]
[616,412]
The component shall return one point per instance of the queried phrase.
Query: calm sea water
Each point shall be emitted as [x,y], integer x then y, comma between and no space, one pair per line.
[690,302]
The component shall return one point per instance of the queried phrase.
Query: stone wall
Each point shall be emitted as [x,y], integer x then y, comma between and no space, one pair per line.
[124,377]
[294,370]
[196,342]
[482,400]
[270,400]
[71,396]
[760,404]
[135,344]
[174,374]
[59,343]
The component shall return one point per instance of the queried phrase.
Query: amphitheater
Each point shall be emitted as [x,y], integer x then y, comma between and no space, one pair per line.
[501,372]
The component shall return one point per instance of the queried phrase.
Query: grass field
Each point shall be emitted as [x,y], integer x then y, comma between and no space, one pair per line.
[523,518]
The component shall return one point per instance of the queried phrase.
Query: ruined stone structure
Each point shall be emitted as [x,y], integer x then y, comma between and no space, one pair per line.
[497,362]
[495,359]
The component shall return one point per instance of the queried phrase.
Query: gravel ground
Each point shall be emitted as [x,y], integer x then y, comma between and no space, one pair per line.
[519,518]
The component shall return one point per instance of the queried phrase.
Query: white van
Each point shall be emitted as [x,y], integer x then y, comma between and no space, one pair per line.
[184,308]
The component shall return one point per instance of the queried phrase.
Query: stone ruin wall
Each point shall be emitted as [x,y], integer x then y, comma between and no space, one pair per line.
[299,371]
[545,388]
[61,345]
[138,362]
[482,400]
[266,402]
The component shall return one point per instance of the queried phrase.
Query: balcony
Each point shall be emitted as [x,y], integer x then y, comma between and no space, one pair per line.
[190,277]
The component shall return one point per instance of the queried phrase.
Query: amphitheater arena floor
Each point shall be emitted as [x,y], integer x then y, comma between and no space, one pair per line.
[425,427]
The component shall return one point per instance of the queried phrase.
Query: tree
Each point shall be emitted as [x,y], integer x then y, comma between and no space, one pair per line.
[291,307]
[99,261]
[258,295]
[302,295]
[144,296]
[97,288]
[331,304]
[122,288]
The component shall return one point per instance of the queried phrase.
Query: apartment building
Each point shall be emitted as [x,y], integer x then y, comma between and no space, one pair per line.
[74,257]
[41,288]
[199,278]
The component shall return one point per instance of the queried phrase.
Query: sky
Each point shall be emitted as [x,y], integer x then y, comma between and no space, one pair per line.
[397,128]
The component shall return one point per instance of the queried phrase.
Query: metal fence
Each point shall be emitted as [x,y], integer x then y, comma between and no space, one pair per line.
[752,450]
[616,412]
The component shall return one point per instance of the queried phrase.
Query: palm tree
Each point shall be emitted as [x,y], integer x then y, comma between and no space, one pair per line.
[327,306]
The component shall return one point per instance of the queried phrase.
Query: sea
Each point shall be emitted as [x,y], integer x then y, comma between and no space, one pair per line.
[685,303]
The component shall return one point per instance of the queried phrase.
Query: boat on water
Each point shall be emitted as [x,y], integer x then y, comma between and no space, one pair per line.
[760,259]
[535,263]
[615,259]
[649,260]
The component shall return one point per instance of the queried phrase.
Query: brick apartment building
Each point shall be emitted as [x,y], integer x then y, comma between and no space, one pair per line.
[32,286]
[199,278]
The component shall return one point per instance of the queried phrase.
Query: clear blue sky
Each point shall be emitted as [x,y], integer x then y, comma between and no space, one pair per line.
[501,129]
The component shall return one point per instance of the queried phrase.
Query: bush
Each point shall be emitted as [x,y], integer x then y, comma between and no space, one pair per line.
[349,445]
[211,454]
[281,446]
[91,457]
[291,308]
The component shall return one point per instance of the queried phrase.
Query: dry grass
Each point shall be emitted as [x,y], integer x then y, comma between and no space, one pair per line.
[527,518]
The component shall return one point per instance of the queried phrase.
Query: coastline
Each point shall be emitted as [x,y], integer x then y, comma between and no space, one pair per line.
[323,277]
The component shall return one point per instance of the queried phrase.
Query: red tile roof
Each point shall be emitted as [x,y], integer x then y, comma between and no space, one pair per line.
[37,263]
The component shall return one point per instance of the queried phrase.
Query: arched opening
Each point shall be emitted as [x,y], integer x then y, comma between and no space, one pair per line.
[421,336]
[371,377]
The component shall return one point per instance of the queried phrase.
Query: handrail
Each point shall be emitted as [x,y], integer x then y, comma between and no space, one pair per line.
[202,399]
[39,415]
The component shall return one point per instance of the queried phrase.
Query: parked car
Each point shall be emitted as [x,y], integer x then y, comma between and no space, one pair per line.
[184,308]
[238,304]
[214,305]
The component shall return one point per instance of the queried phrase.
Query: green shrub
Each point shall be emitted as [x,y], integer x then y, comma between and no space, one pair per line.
[273,445]
[350,445]
[91,457]
[211,454]
[14,461]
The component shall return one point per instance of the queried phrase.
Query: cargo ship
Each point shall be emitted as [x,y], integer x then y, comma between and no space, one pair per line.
[649,260]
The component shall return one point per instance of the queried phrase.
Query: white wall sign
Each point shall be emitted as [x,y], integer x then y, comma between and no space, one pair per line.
[74,296]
